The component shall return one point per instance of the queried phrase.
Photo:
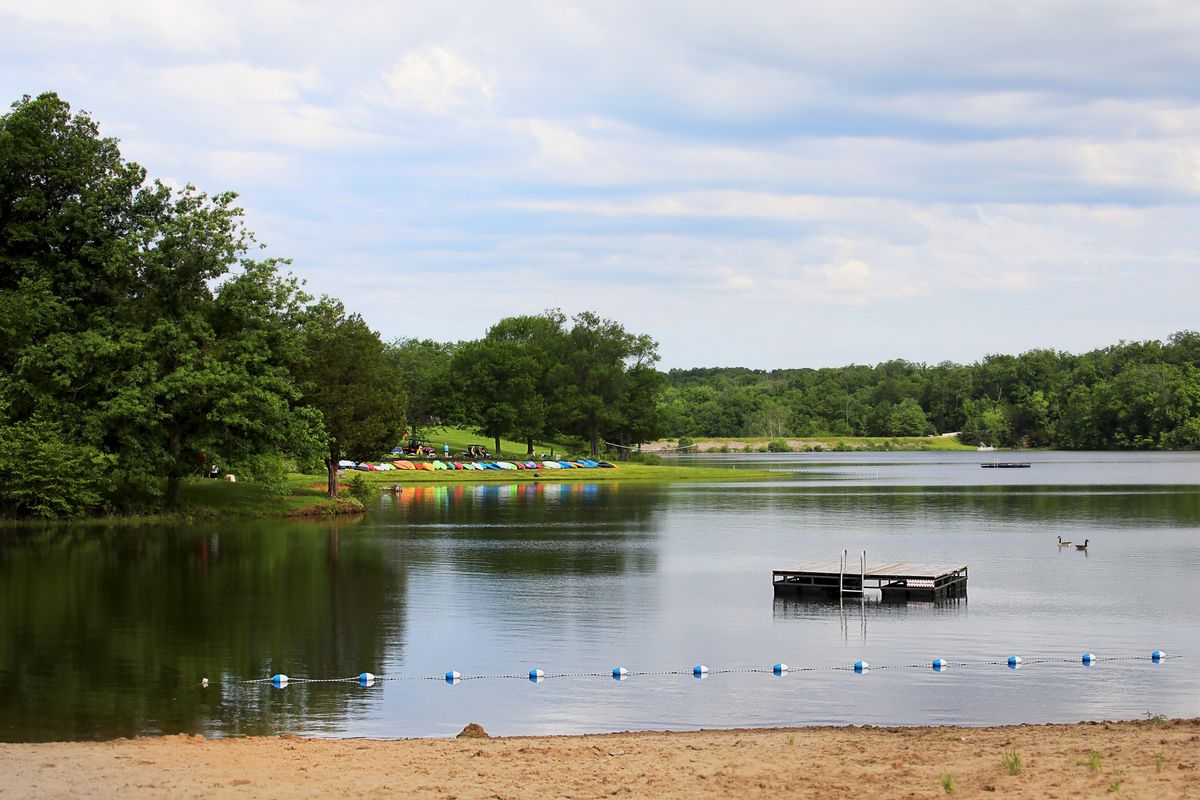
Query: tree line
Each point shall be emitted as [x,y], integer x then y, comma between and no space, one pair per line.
[1142,395]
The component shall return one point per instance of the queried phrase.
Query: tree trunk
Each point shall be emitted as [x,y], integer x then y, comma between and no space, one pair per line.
[331,464]
[529,445]
[595,442]
[496,452]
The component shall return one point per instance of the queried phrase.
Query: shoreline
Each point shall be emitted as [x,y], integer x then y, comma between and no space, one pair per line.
[1153,757]
[303,497]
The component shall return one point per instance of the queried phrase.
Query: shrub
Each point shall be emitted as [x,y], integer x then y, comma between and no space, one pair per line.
[779,446]
[1011,762]
[362,490]
[685,441]
[37,481]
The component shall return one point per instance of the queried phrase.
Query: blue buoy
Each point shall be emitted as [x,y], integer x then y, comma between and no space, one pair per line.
[779,668]
[861,666]
[620,673]
[1014,660]
[279,681]
[366,679]
[453,677]
[939,664]
[1088,659]
[536,675]
[699,671]
[1157,656]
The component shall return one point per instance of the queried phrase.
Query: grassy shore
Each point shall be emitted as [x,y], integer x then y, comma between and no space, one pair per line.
[763,444]
[304,495]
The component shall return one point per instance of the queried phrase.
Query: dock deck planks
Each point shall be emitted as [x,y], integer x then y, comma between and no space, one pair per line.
[897,579]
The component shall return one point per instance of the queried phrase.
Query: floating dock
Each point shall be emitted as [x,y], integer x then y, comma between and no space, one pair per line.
[1006,465]
[898,581]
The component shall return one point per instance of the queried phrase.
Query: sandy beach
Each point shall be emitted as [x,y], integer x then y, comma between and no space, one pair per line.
[1154,758]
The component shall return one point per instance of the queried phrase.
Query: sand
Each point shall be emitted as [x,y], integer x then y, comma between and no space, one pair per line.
[1132,759]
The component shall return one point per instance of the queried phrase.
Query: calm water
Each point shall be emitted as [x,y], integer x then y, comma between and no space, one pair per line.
[107,633]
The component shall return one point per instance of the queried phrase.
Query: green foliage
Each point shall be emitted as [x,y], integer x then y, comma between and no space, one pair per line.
[362,490]
[347,378]
[1131,395]
[1011,762]
[947,781]
[424,368]
[43,474]
[1093,761]
[779,446]
[133,311]
[686,441]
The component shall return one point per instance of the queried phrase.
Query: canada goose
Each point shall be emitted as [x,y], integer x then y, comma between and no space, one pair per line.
[1082,546]
[1061,543]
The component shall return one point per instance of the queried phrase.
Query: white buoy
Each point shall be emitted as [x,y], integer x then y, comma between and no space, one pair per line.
[861,666]
[779,668]
[453,677]
[536,675]
[620,673]
[279,681]
[1088,659]
[699,671]
[1014,662]
[204,683]
[1157,656]
[939,664]
[366,679]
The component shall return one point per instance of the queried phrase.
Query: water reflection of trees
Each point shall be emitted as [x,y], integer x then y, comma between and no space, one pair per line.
[108,632]
[535,529]
[1124,506]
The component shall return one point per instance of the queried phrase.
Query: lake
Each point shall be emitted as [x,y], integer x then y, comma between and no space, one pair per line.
[108,631]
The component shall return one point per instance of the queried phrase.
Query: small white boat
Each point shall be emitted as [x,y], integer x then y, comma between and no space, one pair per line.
[985,448]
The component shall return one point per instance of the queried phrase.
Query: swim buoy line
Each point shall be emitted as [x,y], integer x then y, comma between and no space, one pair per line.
[282,680]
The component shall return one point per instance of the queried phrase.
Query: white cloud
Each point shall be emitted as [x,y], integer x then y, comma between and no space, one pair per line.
[433,80]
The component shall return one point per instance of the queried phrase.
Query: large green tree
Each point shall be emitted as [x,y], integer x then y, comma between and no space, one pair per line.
[347,376]
[498,381]
[131,316]
[593,378]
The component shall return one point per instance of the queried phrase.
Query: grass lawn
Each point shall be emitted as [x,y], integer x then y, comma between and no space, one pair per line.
[459,438]
[302,495]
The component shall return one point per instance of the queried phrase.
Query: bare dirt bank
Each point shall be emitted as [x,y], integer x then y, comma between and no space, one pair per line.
[1121,759]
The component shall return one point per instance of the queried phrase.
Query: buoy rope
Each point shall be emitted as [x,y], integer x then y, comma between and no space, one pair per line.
[367,678]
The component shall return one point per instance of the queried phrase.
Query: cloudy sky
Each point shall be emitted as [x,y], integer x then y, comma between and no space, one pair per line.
[769,184]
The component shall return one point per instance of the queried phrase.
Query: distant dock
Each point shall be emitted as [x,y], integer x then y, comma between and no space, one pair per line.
[898,581]
[1006,465]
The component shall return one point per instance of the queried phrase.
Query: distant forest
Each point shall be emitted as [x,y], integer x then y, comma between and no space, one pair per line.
[1131,395]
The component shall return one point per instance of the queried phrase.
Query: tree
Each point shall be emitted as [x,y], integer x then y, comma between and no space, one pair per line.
[541,339]
[907,419]
[424,367]
[499,381]
[346,375]
[132,315]
[593,376]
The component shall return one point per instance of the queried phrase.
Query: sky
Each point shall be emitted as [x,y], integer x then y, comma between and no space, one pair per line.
[761,184]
